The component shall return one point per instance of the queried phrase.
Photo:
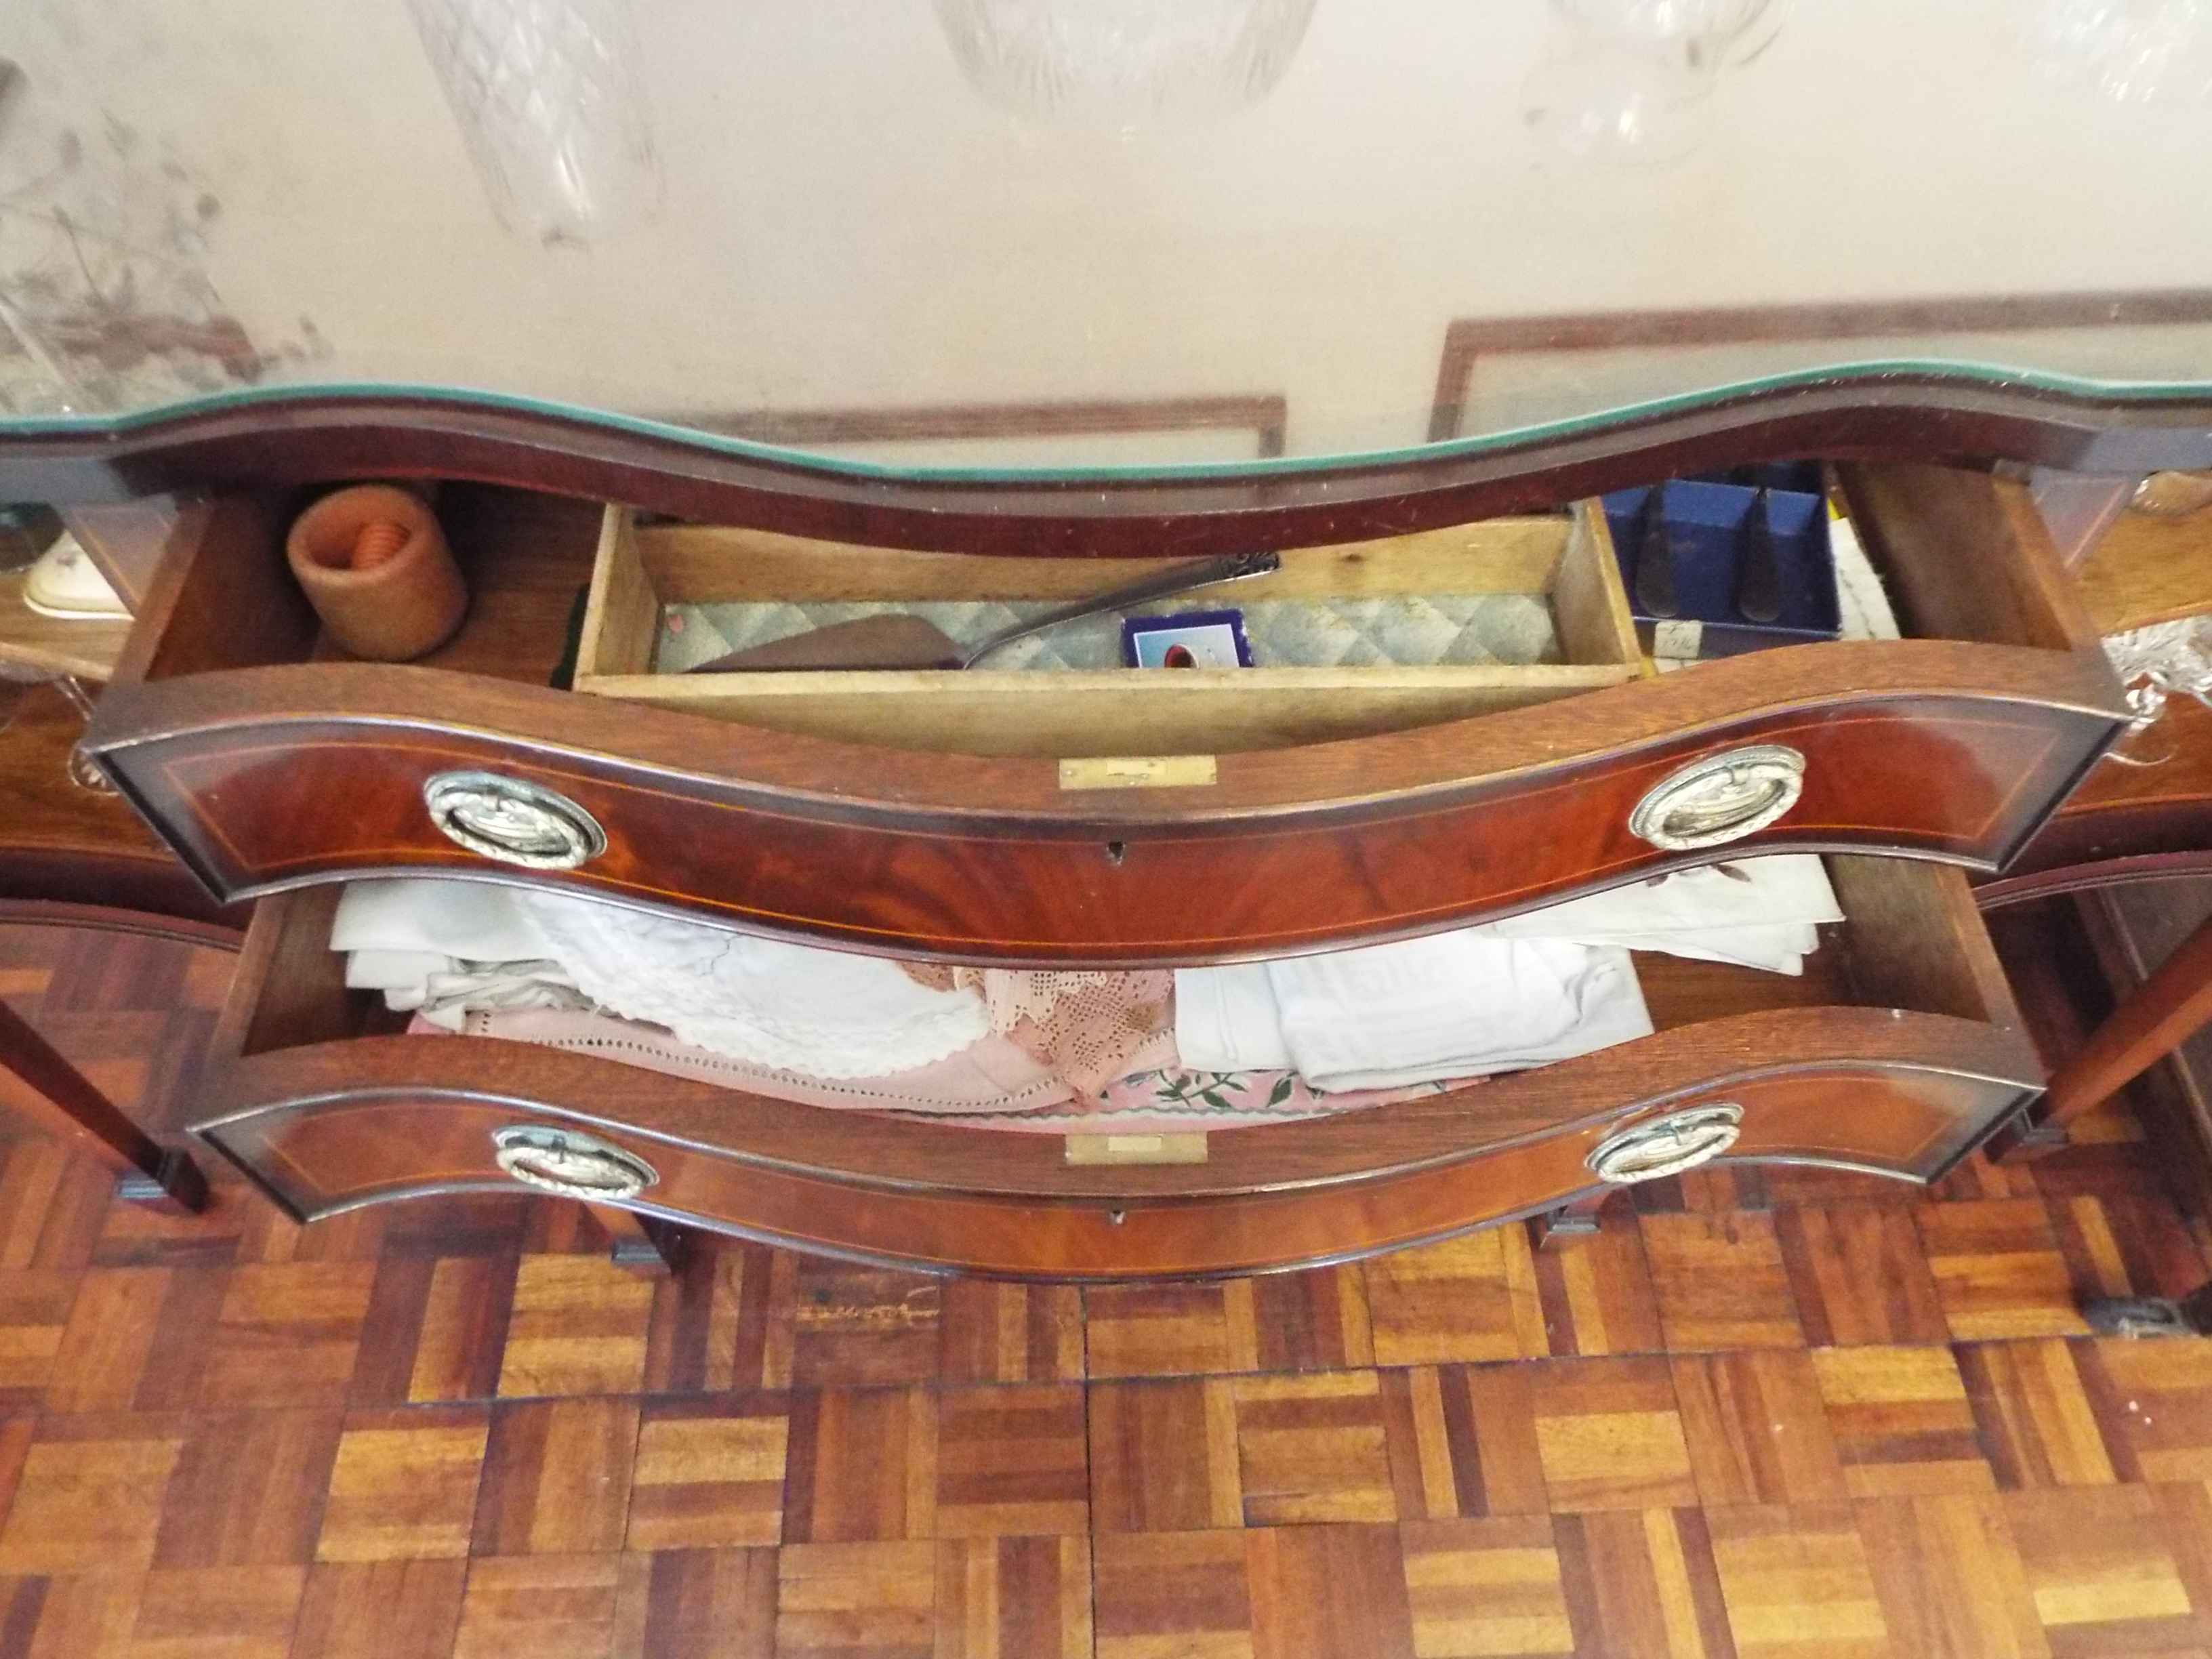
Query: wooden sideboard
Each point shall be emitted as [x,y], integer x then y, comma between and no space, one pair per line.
[277,769]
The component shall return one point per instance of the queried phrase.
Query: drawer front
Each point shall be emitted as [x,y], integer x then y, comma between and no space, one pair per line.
[318,1157]
[992,859]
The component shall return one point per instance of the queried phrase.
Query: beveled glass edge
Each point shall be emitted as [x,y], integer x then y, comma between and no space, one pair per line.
[2143,394]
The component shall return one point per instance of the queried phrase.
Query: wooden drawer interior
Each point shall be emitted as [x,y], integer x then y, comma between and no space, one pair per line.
[641,568]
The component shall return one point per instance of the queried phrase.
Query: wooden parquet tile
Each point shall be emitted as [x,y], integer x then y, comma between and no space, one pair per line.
[862,1325]
[403,1485]
[247,1490]
[1795,1582]
[1902,1420]
[1642,1585]
[707,1604]
[1328,1592]
[1462,1441]
[287,1334]
[856,1600]
[1473,1298]
[2153,1404]
[2000,1270]
[108,1336]
[1949,1577]
[1760,1415]
[1859,1275]
[1171,1596]
[556,1477]
[1011,1461]
[1311,1448]
[574,1329]
[1720,1281]
[861,1467]
[1609,1436]
[1171,1330]
[549,1607]
[34,1309]
[1758,1429]
[1318,1320]
[89,1495]
[995,1333]
[1486,1589]
[1013,1598]
[2037,1426]
[710,1473]
[2100,1572]
[1163,1456]
[217,1613]
[89,1616]
[397,1609]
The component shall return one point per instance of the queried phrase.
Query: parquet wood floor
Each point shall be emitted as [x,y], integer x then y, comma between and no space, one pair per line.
[1762,1416]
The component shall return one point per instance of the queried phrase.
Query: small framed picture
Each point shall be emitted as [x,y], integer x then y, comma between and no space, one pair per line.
[1196,639]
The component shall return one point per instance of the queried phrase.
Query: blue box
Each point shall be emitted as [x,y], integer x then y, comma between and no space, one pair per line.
[1709,524]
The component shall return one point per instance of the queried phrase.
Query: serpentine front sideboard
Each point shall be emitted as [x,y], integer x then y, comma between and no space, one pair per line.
[976,301]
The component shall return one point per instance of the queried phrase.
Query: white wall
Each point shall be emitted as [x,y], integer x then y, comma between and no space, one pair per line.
[845,222]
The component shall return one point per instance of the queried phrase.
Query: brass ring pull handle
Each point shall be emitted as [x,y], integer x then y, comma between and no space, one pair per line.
[1667,1145]
[572,1165]
[1720,798]
[512,821]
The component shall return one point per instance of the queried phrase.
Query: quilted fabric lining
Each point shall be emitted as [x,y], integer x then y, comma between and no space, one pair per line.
[1400,630]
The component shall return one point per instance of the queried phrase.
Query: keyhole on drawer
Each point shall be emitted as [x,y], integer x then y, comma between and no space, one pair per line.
[1115,1218]
[1116,852]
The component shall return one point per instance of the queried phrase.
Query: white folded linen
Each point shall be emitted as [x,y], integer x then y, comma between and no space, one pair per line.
[1455,1005]
[1759,913]
[473,920]
[1226,1020]
[400,971]
[826,1013]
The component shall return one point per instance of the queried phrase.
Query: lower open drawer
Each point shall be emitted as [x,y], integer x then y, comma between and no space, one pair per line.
[1898,1050]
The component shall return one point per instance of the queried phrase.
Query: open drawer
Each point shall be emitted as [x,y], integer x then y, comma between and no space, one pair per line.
[1895,1053]
[1535,603]
[1345,806]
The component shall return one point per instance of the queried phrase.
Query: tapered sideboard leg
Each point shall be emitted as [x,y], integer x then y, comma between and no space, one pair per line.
[43,1089]
[2161,1014]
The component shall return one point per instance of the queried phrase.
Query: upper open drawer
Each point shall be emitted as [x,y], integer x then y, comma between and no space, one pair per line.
[1346,642]
[1125,815]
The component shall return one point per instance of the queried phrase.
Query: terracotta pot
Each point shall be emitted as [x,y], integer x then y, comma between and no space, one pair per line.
[376,568]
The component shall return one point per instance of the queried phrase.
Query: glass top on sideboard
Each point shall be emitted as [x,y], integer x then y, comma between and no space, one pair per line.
[1042,237]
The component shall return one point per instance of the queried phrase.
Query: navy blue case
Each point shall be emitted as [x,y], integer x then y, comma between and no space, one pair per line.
[1707,518]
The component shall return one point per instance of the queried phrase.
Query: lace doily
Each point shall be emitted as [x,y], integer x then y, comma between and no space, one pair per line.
[1087,1027]
[826,1013]
[2155,662]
